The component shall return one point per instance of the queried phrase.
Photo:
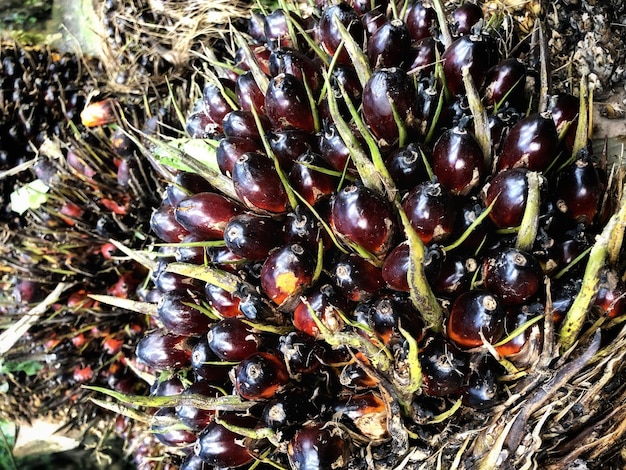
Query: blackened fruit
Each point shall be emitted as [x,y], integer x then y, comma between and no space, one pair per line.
[386,89]
[363,218]
[328,32]
[319,446]
[289,409]
[233,340]
[388,45]
[206,214]
[579,191]
[531,143]
[444,367]
[513,275]
[515,317]
[258,185]
[475,316]
[458,161]
[164,351]
[481,390]
[221,447]
[289,144]
[252,236]
[286,273]
[260,376]
[431,211]
[510,187]
[406,165]
[455,276]
[357,279]
[301,353]
[305,229]
[466,51]
[287,104]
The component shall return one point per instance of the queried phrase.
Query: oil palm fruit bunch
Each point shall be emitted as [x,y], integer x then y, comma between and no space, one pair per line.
[386,246]
[74,190]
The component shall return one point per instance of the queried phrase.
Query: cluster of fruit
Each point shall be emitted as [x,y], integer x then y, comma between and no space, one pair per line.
[394,207]
[40,90]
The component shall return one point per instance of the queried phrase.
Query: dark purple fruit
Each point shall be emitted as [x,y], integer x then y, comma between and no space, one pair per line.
[421,20]
[181,314]
[388,45]
[388,88]
[328,32]
[579,191]
[252,236]
[308,181]
[458,161]
[295,63]
[164,225]
[531,143]
[192,416]
[406,165]
[221,447]
[258,185]
[475,316]
[241,123]
[510,187]
[289,144]
[230,149]
[287,104]
[363,218]
[249,94]
[506,82]
[216,105]
[465,17]
[513,275]
[431,211]
[233,340]
[206,214]
[466,51]
[168,435]
[164,351]
[319,446]
[260,376]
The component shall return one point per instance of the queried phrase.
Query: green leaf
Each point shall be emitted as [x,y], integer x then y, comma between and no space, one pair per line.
[28,367]
[30,196]
[203,150]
